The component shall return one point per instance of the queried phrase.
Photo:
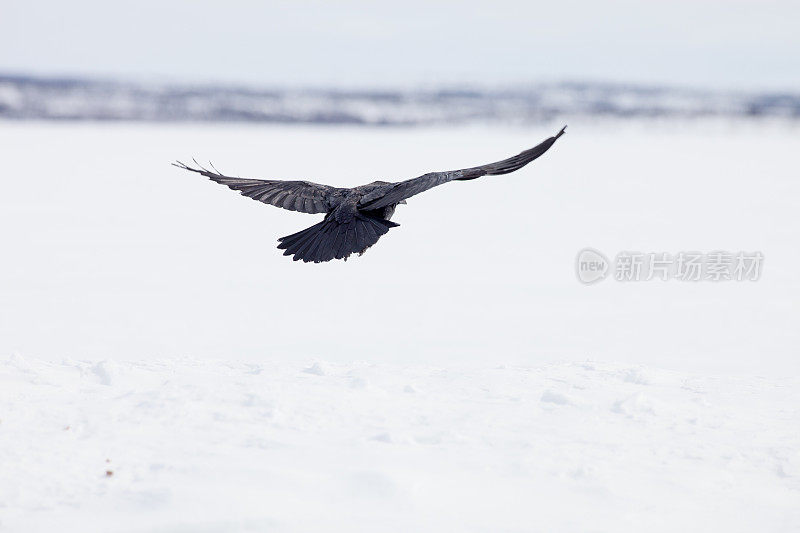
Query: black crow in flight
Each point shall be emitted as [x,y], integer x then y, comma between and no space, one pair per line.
[354,218]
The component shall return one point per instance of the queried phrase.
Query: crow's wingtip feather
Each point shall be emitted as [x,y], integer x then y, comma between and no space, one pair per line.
[184,166]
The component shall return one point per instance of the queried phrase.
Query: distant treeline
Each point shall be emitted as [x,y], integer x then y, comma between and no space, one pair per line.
[34,98]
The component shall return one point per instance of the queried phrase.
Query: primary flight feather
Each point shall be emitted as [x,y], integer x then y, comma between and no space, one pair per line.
[357,217]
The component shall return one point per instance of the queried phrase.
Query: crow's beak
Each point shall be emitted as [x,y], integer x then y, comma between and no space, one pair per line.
[402,202]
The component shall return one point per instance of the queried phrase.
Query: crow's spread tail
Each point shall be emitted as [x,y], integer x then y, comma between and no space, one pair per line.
[334,240]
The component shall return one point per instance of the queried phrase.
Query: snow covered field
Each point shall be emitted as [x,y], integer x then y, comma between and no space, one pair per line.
[196,445]
[456,377]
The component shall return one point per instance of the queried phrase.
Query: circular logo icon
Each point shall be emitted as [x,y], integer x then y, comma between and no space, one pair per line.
[591,266]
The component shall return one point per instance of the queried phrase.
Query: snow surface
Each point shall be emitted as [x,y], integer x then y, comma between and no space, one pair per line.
[439,382]
[201,445]
[109,252]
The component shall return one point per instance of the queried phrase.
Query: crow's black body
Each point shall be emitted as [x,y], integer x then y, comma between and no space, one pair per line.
[354,218]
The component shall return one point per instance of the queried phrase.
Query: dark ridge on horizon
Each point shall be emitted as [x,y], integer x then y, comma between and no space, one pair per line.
[29,97]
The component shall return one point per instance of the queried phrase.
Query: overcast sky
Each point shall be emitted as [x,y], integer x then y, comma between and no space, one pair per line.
[720,43]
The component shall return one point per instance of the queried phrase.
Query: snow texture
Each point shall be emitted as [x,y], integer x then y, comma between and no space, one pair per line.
[202,445]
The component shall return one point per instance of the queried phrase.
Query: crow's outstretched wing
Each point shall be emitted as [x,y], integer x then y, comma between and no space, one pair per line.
[394,193]
[303,196]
